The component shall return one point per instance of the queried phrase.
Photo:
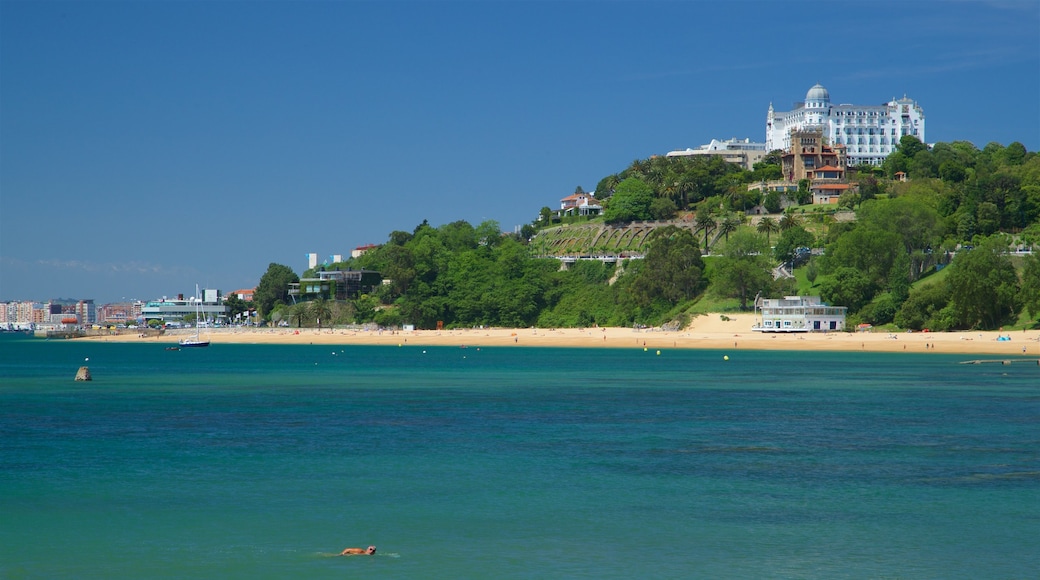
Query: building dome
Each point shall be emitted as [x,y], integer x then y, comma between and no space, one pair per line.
[817,93]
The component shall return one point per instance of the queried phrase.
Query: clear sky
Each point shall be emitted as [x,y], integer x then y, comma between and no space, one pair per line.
[149,146]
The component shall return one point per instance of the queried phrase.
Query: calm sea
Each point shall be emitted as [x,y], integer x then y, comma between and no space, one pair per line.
[249,461]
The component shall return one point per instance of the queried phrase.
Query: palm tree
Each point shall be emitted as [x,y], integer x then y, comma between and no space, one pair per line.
[706,221]
[610,184]
[320,309]
[640,166]
[789,221]
[729,224]
[298,312]
[767,226]
[684,187]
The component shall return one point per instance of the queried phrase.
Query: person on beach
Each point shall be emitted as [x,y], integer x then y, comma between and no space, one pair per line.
[358,551]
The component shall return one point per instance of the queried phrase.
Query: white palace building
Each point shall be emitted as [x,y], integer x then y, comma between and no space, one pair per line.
[868,132]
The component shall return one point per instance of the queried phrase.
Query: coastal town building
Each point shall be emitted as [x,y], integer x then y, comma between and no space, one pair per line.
[335,285]
[739,152]
[362,250]
[209,307]
[85,311]
[797,314]
[580,203]
[811,157]
[869,132]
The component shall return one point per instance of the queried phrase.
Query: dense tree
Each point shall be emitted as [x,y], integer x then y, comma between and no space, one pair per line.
[881,310]
[273,288]
[545,216]
[684,180]
[869,251]
[913,219]
[1030,296]
[790,240]
[927,307]
[769,169]
[743,270]
[869,186]
[848,287]
[631,201]
[983,286]
[911,146]
[662,208]
[235,306]
[364,308]
[672,270]
[399,238]
[606,186]
[773,202]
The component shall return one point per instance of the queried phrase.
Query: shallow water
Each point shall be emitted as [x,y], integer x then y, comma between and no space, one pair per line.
[258,461]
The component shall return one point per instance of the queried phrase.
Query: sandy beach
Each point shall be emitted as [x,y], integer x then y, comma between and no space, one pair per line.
[707,332]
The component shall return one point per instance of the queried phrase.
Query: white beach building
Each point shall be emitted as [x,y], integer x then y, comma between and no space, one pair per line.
[797,314]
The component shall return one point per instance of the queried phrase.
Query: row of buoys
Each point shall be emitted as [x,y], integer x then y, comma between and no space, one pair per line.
[724,357]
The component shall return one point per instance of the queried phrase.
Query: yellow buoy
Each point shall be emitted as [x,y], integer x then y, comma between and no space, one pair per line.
[725,357]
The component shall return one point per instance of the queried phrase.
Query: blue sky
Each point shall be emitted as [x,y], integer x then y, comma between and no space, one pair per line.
[149,146]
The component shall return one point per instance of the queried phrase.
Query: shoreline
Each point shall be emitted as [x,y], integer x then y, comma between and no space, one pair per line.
[705,332]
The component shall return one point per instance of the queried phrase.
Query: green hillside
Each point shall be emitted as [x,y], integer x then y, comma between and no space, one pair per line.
[943,238]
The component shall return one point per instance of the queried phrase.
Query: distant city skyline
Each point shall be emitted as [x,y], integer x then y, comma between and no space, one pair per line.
[149,147]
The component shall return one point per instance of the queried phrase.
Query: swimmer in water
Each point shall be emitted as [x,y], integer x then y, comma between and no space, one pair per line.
[358,551]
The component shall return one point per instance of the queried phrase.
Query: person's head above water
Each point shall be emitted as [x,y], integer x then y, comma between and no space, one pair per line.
[371,550]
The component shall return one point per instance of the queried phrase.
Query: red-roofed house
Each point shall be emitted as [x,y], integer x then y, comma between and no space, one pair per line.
[580,204]
[361,250]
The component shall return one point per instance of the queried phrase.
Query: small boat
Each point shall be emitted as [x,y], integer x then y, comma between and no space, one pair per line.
[195,341]
[173,348]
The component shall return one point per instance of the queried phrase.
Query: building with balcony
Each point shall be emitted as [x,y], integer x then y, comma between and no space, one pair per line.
[209,307]
[336,285]
[739,152]
[868,132]
[580,203]
[797,314]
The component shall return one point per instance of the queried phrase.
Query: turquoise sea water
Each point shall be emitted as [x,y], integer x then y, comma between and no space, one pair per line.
[250,461]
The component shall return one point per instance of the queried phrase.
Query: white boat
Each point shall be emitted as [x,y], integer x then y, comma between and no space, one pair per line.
[196,341]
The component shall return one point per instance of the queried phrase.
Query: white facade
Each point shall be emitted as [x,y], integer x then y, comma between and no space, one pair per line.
[740,151]
[797,314]
[869,132]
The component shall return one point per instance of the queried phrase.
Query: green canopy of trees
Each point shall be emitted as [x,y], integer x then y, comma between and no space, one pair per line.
[273,288]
